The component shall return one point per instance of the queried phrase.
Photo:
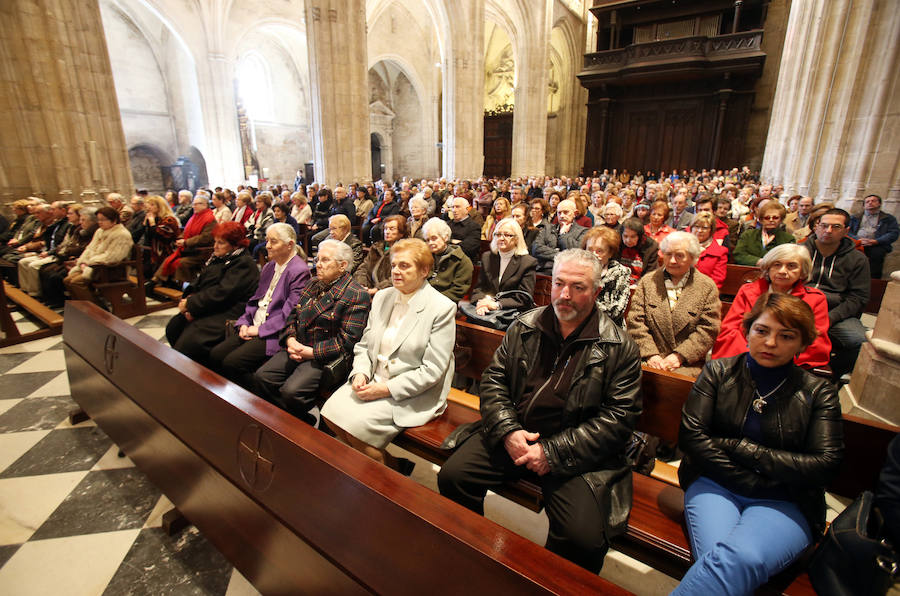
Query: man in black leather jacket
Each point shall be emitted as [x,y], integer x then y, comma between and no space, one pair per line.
[558,404]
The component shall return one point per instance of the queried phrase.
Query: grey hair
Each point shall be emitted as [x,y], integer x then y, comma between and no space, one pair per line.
[90,212]
[419,202]
[439,227]
[691,242]
[266,193]
[284,232]
[579,256]
[342,250]
[114,196]
[614,207]
[202,197]
[508,222]
[784,252]
[185,193]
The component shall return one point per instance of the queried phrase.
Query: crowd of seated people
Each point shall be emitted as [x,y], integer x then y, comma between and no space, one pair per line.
[370,319]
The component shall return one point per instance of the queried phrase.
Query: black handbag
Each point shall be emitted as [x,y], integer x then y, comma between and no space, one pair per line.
[854,558]
[335,373]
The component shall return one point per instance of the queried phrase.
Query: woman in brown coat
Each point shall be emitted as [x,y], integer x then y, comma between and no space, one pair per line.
[674,313]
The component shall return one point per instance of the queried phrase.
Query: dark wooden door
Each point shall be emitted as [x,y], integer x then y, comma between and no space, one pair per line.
[498,145]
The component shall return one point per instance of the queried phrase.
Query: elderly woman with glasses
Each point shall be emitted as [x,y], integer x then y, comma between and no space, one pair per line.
[452,274]
[754,243]
[506,279]
[784,270]
[713,260]
[674,313]
[615,278]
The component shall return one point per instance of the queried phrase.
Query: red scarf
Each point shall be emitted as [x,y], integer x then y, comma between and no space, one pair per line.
[194,227]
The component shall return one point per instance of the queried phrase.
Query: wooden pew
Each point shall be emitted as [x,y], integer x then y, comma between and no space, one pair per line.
[735,277]
[542,289]
[876,294]
[125,293]
[294,510]
[52,320]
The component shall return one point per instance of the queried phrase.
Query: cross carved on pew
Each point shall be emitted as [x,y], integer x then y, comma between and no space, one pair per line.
[255,458]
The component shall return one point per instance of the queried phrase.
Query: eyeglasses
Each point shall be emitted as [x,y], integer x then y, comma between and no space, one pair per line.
[772,218]
[504,235]
[680,256]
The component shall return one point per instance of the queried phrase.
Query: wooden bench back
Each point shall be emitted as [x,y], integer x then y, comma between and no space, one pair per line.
[294,510]
[735,277]
[542,286]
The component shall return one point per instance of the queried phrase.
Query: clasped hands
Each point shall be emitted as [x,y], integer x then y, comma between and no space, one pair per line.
[297,351]
[367,391]
[523,449]
[249,331]
[670,362]
[486,305]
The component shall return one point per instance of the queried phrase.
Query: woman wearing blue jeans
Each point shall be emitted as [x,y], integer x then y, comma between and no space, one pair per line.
[761,437]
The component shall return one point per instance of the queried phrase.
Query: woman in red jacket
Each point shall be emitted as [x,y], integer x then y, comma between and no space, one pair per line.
[713,260]
[783,269]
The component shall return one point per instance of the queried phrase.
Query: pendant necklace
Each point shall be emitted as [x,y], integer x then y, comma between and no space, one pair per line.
[760,402]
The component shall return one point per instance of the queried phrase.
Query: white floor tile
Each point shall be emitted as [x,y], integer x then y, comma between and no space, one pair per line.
[239,586]
[25,503]
[6,404]
[58,386]
[14,445]
[49,360]
[154,520]
[27,326]
[112,461]
[38,345]
[75,566]
[155,332]
[636,577]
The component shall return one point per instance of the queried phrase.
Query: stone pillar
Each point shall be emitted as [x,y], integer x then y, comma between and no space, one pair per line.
[62,133]
[463,82]
[832,134]
[529,141]
[875,382]
[222,147]
[336,38]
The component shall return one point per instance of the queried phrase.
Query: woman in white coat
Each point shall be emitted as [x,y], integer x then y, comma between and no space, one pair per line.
[403,365]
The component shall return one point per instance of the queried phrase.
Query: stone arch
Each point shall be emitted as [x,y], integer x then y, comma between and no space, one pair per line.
[149,167]
[200,163]
[399,118]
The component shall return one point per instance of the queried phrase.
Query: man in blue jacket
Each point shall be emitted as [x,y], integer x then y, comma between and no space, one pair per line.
[877,231]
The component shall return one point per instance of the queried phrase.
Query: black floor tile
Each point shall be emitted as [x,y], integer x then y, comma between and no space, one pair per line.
[62,450]
[36,413]
[182,564]
[10,361]
[7,551]
[125,497]
[24,384]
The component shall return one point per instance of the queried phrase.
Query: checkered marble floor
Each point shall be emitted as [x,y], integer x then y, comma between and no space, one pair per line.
[75,518]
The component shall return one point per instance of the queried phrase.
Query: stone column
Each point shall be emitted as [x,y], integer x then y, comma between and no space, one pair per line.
[529,142]
[875,382]
[836,111]
[336,37]
[222,147]
[62,133]
[463,82]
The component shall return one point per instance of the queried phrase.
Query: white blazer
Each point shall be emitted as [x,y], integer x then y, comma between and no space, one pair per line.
[421,364]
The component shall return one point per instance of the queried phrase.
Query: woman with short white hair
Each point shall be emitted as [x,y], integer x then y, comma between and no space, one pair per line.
[506,279]
[674,313]
[784,270]
[452,273]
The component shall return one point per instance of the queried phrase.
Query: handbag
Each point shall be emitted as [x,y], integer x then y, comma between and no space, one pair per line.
[854,558]
[501,318]
[335,373]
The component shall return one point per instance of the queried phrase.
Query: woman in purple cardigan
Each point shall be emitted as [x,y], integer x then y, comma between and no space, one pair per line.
[256,332]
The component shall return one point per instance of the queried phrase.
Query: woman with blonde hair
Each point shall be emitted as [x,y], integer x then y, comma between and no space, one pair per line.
[161,229]
[500,211]
[506,279]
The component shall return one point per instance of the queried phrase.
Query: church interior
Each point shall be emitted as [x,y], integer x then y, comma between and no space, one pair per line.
[144,97]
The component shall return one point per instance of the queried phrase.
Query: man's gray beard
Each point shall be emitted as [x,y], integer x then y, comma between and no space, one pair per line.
[569,316]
